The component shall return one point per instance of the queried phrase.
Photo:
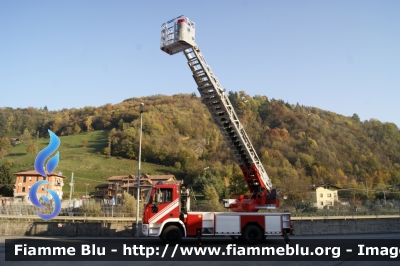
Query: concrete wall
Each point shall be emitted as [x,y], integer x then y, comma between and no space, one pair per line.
[342,227]
[127,229]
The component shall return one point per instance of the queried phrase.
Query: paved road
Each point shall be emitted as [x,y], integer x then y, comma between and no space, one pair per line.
[191,242]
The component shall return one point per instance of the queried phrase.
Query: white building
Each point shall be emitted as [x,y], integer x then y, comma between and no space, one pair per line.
[324,195]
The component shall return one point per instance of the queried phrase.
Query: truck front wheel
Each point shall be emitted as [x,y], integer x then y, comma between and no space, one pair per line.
[252,234]
[171,235]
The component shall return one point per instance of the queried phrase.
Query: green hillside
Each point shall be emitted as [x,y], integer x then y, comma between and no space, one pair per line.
[88,164]
[298,145]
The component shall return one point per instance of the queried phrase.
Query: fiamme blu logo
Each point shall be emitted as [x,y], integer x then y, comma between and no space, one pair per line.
[44,171]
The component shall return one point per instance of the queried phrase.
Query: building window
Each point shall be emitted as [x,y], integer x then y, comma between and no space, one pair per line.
[321,195]
[23,189]
[37,178]
[30,178]
[42,187]
[322,203]
[329,195]
[24,179]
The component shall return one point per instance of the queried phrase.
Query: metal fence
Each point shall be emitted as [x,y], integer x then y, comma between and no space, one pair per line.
[91,208]
[349,208]
[82,208]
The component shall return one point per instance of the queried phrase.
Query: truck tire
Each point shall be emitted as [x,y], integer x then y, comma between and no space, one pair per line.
[252,234]
[171,235]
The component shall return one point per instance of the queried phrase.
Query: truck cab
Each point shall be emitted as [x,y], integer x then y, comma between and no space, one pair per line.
[165,206]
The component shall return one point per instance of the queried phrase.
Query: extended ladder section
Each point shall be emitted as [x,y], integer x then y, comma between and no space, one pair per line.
[224,115]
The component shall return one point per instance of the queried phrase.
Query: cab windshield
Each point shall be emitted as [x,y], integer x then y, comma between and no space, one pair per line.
[149,196]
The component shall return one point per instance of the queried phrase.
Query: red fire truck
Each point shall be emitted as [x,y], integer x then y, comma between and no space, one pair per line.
[167,210]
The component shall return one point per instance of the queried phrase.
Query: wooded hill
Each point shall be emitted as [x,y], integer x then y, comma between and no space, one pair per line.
[299,146]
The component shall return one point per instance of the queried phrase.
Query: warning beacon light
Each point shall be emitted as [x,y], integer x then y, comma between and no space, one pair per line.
[177,35]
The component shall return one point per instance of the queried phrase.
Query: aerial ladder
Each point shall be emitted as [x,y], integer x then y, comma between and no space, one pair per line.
[178,35]
[167,213]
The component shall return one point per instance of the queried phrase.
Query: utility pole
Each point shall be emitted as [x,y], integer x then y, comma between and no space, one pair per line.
[116,194]
[70,191]
[86,191]
[109,147]
[384,196]
[138,179]
[37,141]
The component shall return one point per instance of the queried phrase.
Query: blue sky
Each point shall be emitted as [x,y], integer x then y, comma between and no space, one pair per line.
[340,56]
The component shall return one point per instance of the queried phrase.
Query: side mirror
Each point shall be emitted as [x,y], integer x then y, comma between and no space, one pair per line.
[156,200]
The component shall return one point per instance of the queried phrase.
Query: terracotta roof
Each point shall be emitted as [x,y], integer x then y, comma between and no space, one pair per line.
[144,183]
[160,177]
[130,177]
[34,173]
[134,178]
[324,185]
[118,177]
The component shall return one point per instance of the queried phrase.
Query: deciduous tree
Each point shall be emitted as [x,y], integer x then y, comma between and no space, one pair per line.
[32,147]
[7,181]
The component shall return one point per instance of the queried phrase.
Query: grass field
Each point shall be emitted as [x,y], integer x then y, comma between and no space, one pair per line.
[88,164]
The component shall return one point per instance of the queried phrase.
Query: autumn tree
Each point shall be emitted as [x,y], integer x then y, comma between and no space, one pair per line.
[295,189]
[85,142]
[88,123]
[77,129]
[26,136]
[237,183]
[31,147]
[3,124]
[129,205]
[5,143]
[212,199]
[106,151]
[4,146]
[3,153]
[92,208]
